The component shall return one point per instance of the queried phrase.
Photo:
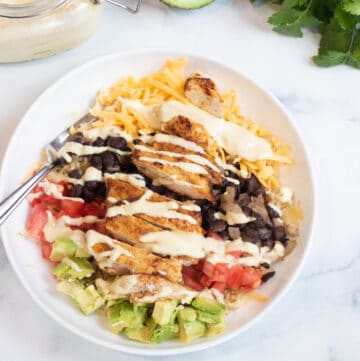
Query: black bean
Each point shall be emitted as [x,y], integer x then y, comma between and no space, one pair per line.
[117,143]
[74,173]
[265,265]
[244,200]
[279,233]
[99,142]
[101,190]
[218,226]
[96,161]
[259,222]
[128,167]
[268,243]
[272,213]
[109,160]
[91,186]
[264,234]
[75,190]
[267,276]
[88,195]
[78,138]
[253,186]
[224,234]
[234,232]
[250,232]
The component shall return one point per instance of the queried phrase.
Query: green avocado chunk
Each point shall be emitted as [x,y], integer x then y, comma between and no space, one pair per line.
[164,312]
[141,333]
[210,318]
[207,305]
[187,4]
[164,332]
[86,298]
[72,267]
[216,329]
[126,314]
[65,247]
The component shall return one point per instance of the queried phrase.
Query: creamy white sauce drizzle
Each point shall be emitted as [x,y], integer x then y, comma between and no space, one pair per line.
[154,209]
[72,264]
[232,180]
[181,142]
[187,167]
[192,157]
[108,258]
[191,207]
[104,132]
[81,150]
[92,174]
[135,179]
[178,243]
[51,189]
[235,139]
[131,284]
[285,195]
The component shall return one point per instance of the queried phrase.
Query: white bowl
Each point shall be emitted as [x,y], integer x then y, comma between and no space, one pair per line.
[72,95]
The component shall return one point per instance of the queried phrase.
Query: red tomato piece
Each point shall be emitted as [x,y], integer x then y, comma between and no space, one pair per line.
[236,254]
[235,276]
[100,227]
[37,220]
[220,286]
[71,208]
[190,277]
[200,265]
[221,273]
[208,268]
[251,277]
[214,235]
[92,209]
[206,281]
[46,248]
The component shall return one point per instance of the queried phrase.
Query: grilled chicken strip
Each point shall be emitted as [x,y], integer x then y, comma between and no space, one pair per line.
[145,288]
[191,130]
[178,168]
[203,93]
[138,211]
[117,257]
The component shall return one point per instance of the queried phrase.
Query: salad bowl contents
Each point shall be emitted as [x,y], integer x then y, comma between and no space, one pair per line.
[167,213]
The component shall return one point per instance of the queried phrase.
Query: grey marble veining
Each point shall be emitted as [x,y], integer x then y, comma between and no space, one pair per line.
[319,317]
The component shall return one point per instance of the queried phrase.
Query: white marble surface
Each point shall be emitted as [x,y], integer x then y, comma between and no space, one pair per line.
[319,318]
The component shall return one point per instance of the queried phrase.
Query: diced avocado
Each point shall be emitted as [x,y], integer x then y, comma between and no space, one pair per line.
[216,329]
[210,318]
[87,298]
[164,312]
[72,267]
[187,4]
[207,305]
[126,314]
[164,332]
[191,330]
[187,314]
[65,247]
[141,333]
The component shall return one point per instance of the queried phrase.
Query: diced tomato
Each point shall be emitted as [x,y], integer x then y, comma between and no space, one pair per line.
[189,274]
[220,286]
[221,273]
[92,209]
[208,268]
[71,208]
[100,227]
[60,214]
[37,220]
[206,281]
[200,265]
[236,254]
[46,248]
[251,277]
[235,276]
[49,200]
[214,235]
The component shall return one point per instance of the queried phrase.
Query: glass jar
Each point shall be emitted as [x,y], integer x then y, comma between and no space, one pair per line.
[31,29]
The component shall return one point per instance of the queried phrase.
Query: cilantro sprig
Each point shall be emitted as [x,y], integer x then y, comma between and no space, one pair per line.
[338,22]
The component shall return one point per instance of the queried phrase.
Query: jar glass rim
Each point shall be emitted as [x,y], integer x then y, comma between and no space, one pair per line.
[29,9]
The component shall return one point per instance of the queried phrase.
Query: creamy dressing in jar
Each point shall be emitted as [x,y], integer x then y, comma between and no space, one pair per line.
[31,29]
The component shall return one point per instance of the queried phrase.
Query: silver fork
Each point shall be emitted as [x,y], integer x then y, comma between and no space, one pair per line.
[10,203]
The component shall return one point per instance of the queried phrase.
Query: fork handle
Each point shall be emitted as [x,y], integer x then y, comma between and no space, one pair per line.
[10,203]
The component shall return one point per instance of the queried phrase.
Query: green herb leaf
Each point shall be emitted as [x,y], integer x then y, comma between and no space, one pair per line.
[330,58]
[352,7]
